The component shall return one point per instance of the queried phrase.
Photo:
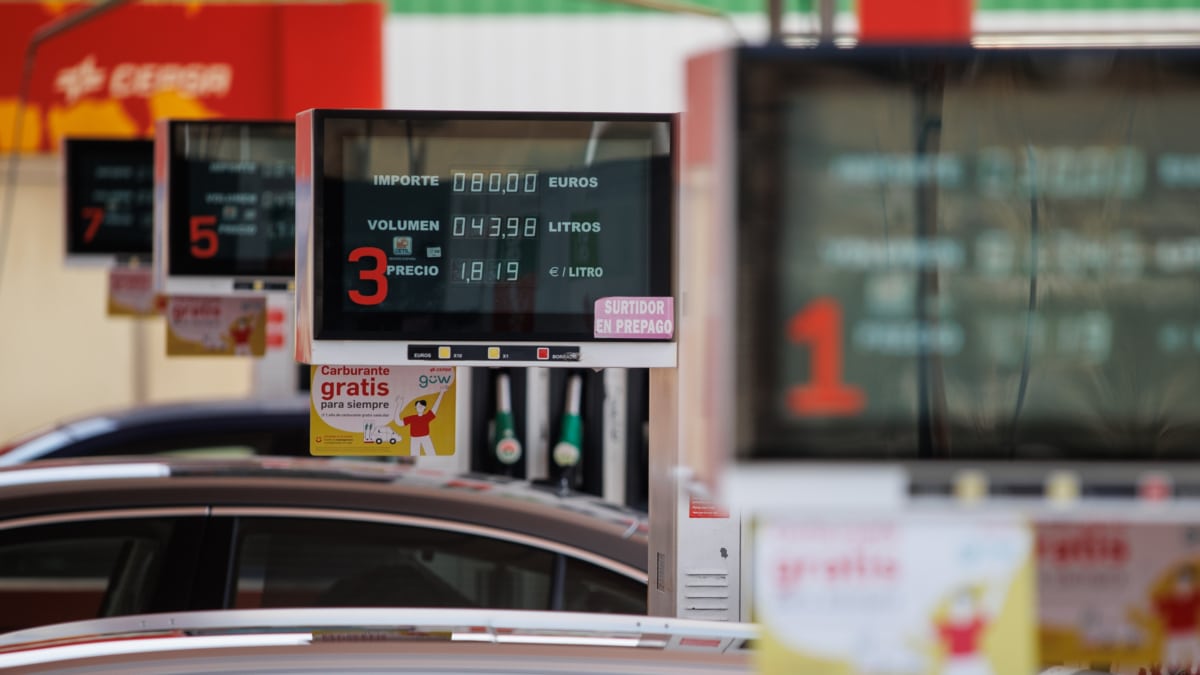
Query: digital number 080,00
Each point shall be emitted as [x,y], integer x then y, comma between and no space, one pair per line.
[501,182]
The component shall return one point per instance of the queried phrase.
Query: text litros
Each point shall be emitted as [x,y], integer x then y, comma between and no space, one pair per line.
[572,226]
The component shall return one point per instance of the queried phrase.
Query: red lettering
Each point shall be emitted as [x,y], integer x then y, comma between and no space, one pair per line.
[131,283]
[179,312]
[853,567]
[790,572]
[1087,545]
[363,387]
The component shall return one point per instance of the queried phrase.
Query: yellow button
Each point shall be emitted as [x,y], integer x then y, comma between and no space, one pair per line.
[971,487]
[1062,488]
[443,352]
[493,353]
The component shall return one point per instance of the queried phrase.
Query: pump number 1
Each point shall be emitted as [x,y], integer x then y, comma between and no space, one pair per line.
[819,325]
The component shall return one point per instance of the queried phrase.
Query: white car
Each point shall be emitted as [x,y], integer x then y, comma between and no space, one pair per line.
[92,538]
[380,641]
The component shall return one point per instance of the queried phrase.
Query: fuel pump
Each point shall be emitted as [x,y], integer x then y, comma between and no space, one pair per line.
[508,243]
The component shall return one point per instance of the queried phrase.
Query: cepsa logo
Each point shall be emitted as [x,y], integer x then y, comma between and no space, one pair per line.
[142,80]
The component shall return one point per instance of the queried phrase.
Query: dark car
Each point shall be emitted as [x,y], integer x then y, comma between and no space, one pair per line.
[93,537]
[222,427]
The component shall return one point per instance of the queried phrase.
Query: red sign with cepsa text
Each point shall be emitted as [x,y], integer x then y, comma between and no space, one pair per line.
[114,75]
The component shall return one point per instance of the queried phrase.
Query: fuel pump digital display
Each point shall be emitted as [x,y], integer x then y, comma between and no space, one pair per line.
[494,227]
[229,205]
[109,199]
[969,254]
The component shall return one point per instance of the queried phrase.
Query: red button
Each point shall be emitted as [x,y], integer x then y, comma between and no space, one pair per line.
[1154,488]
[543,353]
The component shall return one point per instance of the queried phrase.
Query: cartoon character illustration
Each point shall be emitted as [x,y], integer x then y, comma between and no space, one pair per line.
[239,335]
[960,631]
[418,425]
[1177,609]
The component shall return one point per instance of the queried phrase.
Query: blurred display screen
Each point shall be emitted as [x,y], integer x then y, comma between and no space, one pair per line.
[232,198]
[487,226]
[109,197]
[970,254]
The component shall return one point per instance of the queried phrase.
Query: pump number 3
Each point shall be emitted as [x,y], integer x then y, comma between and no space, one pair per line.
[374,273]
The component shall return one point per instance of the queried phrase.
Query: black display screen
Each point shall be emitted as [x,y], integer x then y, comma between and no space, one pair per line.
[232,197]
[109,197]
[969,254]
[496,226]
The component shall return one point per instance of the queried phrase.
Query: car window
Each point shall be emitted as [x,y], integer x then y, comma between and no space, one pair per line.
[588,588]
[80,570]
[212,451]
[289,562]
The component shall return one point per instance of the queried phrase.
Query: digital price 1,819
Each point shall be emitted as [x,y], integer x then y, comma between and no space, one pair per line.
[484,271]
[495,182]
[494,227]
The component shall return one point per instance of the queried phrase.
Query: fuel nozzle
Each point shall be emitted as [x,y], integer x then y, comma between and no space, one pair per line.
[507,446]
[567,452]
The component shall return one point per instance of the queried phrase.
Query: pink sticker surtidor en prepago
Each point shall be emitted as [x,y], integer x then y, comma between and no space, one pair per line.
[635,318]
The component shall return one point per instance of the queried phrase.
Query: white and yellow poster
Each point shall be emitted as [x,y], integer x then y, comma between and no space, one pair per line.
[131,292]
[1125,594]
[898,595]
[221,326]
[382,410]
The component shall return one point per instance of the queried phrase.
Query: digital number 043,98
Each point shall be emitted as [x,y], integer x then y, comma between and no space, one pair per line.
[376,274]
[819,324]
[494,227]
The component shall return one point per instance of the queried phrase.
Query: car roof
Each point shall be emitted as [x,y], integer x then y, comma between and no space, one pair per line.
[383,640]
[327,486]
[278,424]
